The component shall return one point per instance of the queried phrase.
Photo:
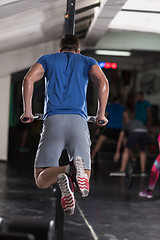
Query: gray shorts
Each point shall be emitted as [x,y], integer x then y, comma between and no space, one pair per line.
[63,131]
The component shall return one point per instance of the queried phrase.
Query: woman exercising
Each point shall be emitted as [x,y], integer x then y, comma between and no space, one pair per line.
[153,176]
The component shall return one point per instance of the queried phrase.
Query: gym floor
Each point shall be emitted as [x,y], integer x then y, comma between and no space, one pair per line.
[110,212]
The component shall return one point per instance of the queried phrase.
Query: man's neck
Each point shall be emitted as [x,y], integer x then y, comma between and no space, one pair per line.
[69,51]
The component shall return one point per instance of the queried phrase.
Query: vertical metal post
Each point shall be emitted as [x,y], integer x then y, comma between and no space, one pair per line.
[70,17]
[59,216]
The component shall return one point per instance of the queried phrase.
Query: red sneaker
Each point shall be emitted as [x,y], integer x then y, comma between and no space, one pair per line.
[67,196]
[81,178]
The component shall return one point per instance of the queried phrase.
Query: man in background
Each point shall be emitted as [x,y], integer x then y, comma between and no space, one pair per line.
[142,110]
[115,114]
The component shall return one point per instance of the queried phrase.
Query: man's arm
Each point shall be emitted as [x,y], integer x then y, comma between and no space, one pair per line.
[35,73]
[126,117]
[97,77]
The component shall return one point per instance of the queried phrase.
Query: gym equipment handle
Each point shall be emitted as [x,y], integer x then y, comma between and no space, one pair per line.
[39,116]
[93,119]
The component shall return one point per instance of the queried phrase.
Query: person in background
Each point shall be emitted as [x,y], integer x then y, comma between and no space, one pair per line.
[115,114]
[142,110]
[153,176]
[136,132]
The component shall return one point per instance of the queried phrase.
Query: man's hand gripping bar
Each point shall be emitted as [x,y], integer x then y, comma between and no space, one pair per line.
[39,116]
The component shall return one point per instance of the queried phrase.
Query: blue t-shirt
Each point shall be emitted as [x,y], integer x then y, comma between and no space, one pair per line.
[115,115]
[66,80]
[141,111]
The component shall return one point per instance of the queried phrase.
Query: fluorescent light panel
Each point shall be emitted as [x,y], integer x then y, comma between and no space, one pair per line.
[150,5]
[113,53]
[144,22]
[138,21]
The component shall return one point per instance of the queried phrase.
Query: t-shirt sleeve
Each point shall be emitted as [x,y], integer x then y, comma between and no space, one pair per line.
[42,61]
[159,138]
[92,62]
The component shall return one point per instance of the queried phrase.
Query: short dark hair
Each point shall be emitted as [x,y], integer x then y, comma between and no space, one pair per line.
[69,42]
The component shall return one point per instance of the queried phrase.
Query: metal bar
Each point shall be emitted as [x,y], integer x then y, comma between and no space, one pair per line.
[70,17]
[59,218]
[84,9]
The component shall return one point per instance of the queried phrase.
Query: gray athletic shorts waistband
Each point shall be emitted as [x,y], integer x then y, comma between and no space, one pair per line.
[63,131]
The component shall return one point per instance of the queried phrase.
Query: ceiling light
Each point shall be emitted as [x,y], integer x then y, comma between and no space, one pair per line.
[113,53]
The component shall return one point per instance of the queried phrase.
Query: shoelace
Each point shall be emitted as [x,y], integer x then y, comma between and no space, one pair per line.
[63,185]
[80,168]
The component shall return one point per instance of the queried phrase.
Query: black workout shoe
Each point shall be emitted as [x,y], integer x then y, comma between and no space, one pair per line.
[67,196]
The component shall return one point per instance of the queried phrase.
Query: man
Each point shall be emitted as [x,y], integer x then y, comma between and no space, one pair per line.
[65,117]
[142,109]
[115,113]
[136,132]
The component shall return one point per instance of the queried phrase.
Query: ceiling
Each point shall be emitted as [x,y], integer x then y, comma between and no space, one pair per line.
[138,15]
[26,23]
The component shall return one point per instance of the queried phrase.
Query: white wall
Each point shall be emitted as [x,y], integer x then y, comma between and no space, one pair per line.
[129,41]
[11,62]
[14,61]
[4,113]
[154,98]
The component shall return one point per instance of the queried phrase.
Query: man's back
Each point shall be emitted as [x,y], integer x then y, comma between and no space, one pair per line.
[66,82]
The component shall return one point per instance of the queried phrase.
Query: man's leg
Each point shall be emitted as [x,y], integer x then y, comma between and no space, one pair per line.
[44,177]
[143,144]
[154,173]
[75,174]
[125,157]
[143,161]
[152,180]
[88,172]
